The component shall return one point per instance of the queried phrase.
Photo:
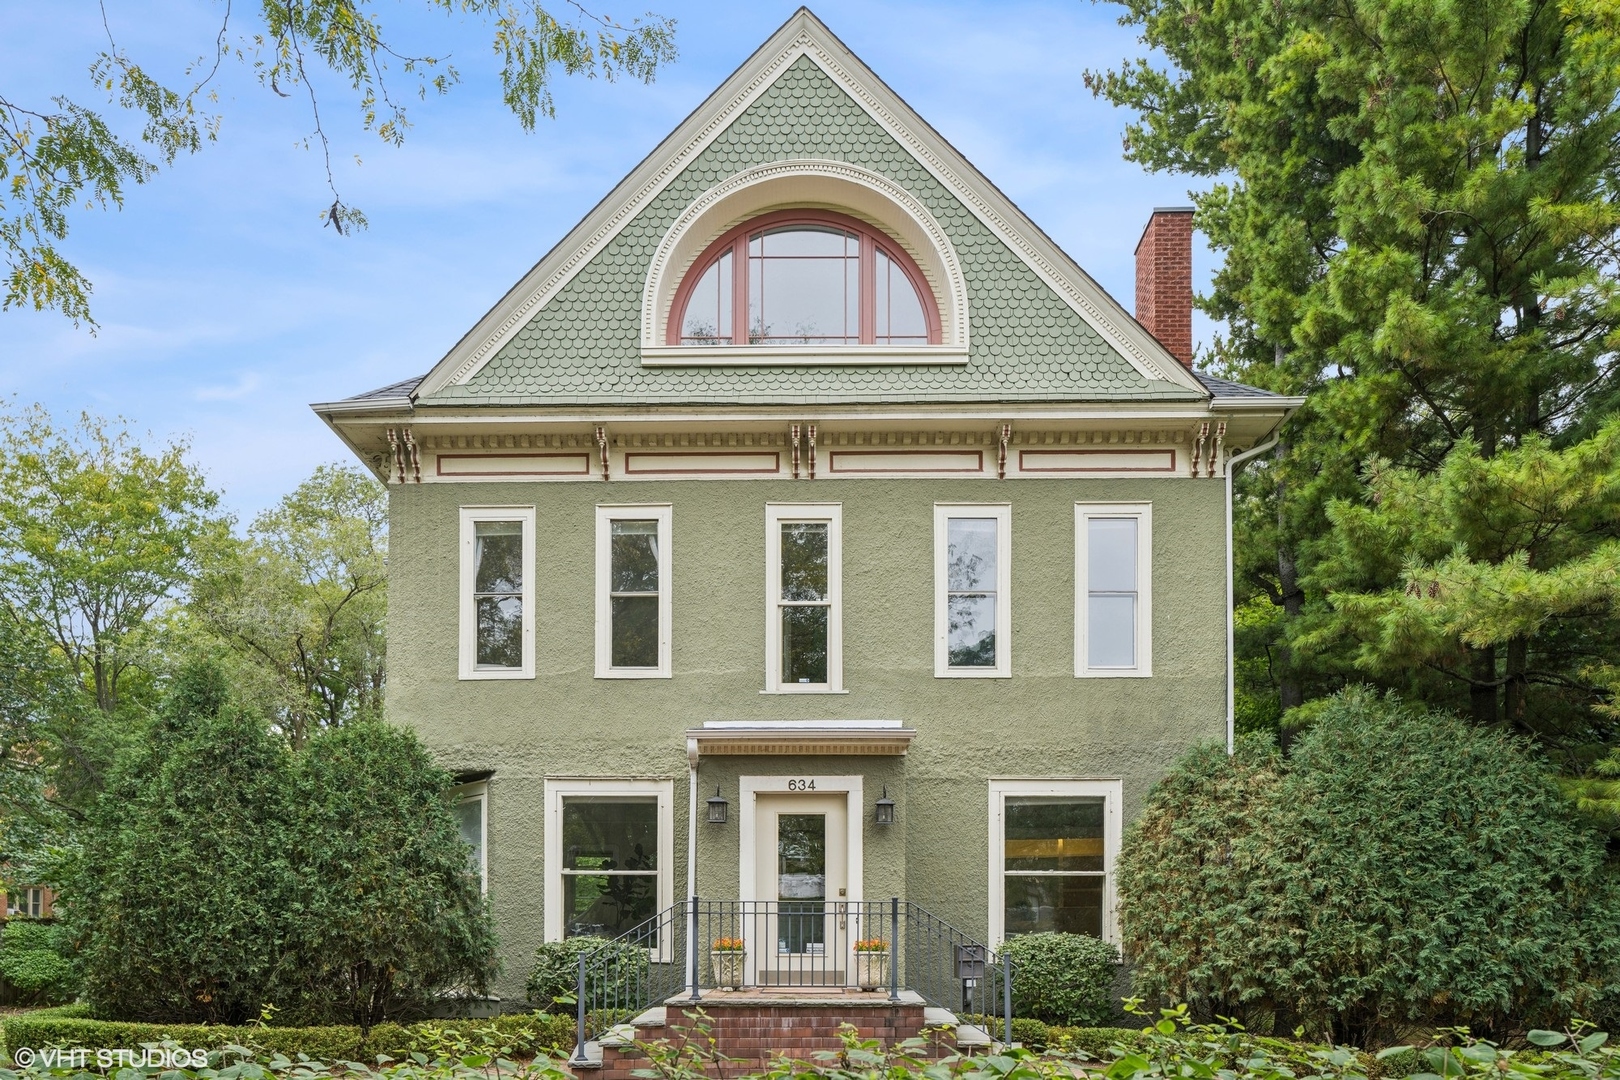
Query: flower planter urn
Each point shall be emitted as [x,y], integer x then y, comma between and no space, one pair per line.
[727,966]
[871,970]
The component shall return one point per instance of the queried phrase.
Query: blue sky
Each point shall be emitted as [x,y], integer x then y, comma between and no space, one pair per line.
[225,308]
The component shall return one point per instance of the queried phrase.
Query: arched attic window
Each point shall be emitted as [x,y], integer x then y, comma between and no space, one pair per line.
[803,277]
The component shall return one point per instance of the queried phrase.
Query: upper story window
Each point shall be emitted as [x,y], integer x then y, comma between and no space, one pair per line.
[497,592]
[1113,570]
[972,591]
[804,278]
[804,629]
[633,592]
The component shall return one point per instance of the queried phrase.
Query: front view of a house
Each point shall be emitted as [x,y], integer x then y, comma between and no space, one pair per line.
[806,529]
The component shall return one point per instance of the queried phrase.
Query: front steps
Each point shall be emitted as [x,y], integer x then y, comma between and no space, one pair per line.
[751,1027]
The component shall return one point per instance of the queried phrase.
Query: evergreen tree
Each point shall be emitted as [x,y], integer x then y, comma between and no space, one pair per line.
[1419,209]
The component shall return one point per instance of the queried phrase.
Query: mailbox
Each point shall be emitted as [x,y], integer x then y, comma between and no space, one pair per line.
[970,961]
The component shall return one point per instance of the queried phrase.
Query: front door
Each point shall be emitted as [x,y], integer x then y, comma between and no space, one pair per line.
[802,863]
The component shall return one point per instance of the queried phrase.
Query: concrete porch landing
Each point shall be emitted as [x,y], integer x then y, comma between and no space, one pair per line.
[755,1025]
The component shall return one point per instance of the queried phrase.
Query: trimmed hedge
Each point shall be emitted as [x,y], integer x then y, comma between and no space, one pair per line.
[1091,1042]
[526,1034]
[1063,978]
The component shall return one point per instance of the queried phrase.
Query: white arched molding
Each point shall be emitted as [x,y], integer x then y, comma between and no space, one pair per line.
[807,183]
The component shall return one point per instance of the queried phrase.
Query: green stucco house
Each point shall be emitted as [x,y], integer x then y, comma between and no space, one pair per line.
[806,530]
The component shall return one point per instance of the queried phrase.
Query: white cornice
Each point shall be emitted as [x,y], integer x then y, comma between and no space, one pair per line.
[805,35]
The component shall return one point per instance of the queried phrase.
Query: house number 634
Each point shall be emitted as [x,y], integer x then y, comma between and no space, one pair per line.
[801,785]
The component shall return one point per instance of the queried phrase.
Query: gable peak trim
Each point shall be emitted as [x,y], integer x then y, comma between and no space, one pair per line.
[803,35]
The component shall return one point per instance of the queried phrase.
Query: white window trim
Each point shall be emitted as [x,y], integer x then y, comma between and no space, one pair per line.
[1111,791]
[470,516]
[478,792]
[561,788]
[605,516]
[776,514]
[1143,512]
[1002,512]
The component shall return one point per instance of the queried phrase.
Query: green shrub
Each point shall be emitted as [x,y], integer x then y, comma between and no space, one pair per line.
[520,1035]
[388,912]
[324,1043]
[529,1035]
[1062,978]
[36,961]
[222,872]
[1026,1031]
[1092,1043]
[1401,868]
[618,972]
[182,896]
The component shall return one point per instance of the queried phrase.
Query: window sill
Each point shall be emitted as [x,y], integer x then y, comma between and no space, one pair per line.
[800,355]
[634,673]
[804,690]
[495,674]
[1111,673]
[954,673]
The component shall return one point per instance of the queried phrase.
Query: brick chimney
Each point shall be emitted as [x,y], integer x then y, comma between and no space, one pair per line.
[1164,279]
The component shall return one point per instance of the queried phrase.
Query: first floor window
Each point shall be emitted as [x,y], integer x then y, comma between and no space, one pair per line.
[972,584]
[27,902]
[497,592]
[609,847]
[1113,570]
[1052,848]
[633,591]
[804,576]
[471,803]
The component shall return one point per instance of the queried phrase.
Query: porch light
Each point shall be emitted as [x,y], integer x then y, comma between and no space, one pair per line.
[717,807]
[885,809]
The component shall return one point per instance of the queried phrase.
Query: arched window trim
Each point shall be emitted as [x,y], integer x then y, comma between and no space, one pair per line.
[736,240]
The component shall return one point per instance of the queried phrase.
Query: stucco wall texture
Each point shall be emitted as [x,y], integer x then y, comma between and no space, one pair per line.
[1042,722]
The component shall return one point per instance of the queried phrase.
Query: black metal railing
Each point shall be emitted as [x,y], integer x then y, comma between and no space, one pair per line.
[701,945]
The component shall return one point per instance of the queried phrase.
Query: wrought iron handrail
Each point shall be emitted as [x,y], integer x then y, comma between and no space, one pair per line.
[696,945]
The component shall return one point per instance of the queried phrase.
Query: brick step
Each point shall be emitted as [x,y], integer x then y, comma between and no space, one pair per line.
[753,1026]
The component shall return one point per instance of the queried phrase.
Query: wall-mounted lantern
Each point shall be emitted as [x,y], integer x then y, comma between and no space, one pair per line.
[717,807]
[884,812]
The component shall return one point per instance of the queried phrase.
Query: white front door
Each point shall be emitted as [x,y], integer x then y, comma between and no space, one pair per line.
[801,864]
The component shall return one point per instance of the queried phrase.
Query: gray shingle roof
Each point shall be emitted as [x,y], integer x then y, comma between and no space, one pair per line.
[1225,388]
[399,389]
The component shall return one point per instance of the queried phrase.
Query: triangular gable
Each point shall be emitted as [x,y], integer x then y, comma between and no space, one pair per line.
[803,41]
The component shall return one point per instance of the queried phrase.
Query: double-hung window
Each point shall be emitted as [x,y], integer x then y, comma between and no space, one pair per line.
[804,621]
[497,592]
[471,804]
[972,591]
[1113,573]
[1052,850]
[609,848]
[633,617]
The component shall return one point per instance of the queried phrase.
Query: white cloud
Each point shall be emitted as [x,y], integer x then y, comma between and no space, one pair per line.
[246,384]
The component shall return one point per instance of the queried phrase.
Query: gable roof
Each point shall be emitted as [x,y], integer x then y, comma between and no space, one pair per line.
[1043,329]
